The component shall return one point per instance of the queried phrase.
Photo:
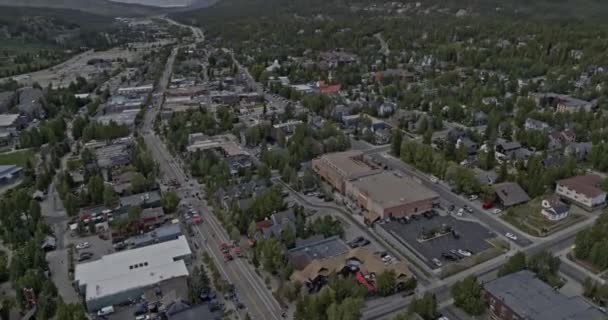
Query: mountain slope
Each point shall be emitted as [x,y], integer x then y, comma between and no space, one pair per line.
[98,7]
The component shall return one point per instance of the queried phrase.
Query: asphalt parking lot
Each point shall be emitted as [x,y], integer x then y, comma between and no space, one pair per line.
[473,237]
[98,247]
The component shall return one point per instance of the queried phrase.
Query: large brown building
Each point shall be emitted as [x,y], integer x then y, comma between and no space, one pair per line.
[340,167]
[386,195]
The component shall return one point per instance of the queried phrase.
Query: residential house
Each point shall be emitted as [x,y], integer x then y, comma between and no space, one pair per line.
[6,100]
[469,145]
[578,150]
[522,296]
[505,150]
[239,162]
[536,125]
[567,104]
[509,194]
[554,209]
[341,111]
[277,223]
[584,190]
[553,160]
[555,141]
[480,118]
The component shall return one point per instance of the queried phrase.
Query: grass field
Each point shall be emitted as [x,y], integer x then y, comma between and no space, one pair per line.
[528,218]
[17,158]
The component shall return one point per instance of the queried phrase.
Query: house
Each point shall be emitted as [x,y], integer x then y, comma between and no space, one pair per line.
[505,150]
[239,162]
[536,125]
[341,111]
[578,150]
[122,182]
[510,194]
[387,195]
[554,160]
[555,141]
[567,104]
[554,209]
[568,136]
[277,223]
[136,90]
[522,296]
[584,190]
[469,145]
[329,89]
[480,118]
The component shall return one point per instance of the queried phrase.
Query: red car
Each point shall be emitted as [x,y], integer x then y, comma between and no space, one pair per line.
[487,205]
[224,248]
[238,252]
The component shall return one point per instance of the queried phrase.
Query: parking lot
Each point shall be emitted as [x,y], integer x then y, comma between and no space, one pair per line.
[97,247]
[472,237]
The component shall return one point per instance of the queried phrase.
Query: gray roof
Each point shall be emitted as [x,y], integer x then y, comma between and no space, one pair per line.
[530,298]
[322,249]
[510,193]
[140,199]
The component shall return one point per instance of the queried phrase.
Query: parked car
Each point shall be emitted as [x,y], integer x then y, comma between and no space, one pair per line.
[85,256]
[455,253]
[228,257]
[224,248]
[455,234]
[433,179]
[105,311]
[448,256]
[364,243]
[468,209]
[487,205]
[497,211]
[451,207]
[511,236]
[83,245]
[465,253]
[460,212]
[387,258]
[473,197]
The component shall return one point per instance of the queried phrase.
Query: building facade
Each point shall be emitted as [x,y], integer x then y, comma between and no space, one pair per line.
[583,190]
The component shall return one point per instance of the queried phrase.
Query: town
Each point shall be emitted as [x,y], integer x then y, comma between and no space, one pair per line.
[201,168]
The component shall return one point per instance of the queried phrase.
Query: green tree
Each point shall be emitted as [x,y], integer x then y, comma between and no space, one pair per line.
[426,307]
[71,204]
[385,283]
[467,296]
[139,183]
[396,142]
[516,263]
[95,188]
[288,237]
[169,201]
[109,196]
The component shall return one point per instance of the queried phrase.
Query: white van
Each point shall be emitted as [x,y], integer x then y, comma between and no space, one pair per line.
[105,311]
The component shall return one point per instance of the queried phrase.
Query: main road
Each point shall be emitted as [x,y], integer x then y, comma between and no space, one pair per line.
[250,287]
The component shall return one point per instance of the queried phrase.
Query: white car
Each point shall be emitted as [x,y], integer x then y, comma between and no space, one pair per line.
[460,212]
[434,179]
[511,236]
[437,262]
[387,258]
[83,245]
[473,197]
[105,311]
[465,253]
[497,211]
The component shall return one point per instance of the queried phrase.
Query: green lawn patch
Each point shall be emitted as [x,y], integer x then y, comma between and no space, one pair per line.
[528,218]
[18,158]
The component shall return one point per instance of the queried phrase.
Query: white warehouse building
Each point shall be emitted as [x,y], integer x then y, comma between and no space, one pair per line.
[118,277]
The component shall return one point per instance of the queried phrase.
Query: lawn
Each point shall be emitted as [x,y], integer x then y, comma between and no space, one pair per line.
[19,158]
[527,218]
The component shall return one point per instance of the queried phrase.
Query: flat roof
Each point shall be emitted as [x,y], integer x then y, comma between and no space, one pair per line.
[8,119]
[531,298]
[318,250]
[347,164]
[117,272]
[389,190]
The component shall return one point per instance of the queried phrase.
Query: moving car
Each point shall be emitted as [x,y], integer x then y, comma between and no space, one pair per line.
[437,262]
[511,236]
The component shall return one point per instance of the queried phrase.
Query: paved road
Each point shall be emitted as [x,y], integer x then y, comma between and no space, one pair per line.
[250,287]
